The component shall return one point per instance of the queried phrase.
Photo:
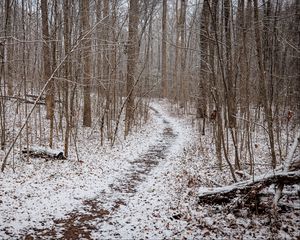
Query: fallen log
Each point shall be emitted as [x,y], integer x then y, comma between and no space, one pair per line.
[30,99]
[44,152]
[249,189]
[290,163]
[23,100]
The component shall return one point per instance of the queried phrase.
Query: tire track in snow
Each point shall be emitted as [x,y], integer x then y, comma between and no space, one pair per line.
[79,224]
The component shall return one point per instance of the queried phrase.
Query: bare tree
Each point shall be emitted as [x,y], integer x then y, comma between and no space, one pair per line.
[182,34]
[87,115]
[47,68]
[106,68]
[9,46]
[164,78]
[67,67]
[266,101]
[202,92]
[132,52]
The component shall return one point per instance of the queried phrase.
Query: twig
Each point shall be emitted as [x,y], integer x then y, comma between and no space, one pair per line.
[258,124]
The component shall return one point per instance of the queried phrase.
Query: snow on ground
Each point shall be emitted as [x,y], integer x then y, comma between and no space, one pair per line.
[157,200]
[40,191]
[212,221]
[147,214]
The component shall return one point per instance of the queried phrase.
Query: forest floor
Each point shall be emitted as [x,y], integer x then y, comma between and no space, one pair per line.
[144,188]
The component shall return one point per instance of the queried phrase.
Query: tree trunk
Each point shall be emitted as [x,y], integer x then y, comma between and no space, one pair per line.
[132,51]
[106,69]
[87,115]
[213,10]
[47,69]
[267,106]
[164,79]
[9,48]
[67,46]
[182,75]
[204,36]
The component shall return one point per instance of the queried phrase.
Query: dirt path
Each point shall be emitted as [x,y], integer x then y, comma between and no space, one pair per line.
[79,224]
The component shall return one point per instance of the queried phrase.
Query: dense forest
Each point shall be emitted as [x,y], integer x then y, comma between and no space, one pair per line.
[75,73]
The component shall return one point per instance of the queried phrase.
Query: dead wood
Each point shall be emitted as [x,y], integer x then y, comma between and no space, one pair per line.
[23,100]
[30,99]
[43,152]
[290,163]
[248,189]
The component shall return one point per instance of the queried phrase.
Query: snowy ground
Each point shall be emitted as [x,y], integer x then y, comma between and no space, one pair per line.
[40,192]
[144,188]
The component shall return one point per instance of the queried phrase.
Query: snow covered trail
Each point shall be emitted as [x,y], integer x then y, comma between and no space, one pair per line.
[137,203]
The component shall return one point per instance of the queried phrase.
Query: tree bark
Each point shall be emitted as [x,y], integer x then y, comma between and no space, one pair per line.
[164,79]
[87,115]
[177,59]
[132,52]
[266,103]
[67,68]
[204,47]
[47,69]
[182,75]
[9,56]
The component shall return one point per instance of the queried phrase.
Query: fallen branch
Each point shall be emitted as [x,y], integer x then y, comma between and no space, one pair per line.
[248,188]
[30,99]
[40,102]
[43,152]
[288,164]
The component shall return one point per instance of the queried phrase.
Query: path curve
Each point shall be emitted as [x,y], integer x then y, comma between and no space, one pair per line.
[80,224]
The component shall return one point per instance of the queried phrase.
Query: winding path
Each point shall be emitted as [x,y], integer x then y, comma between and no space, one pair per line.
[100,212]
